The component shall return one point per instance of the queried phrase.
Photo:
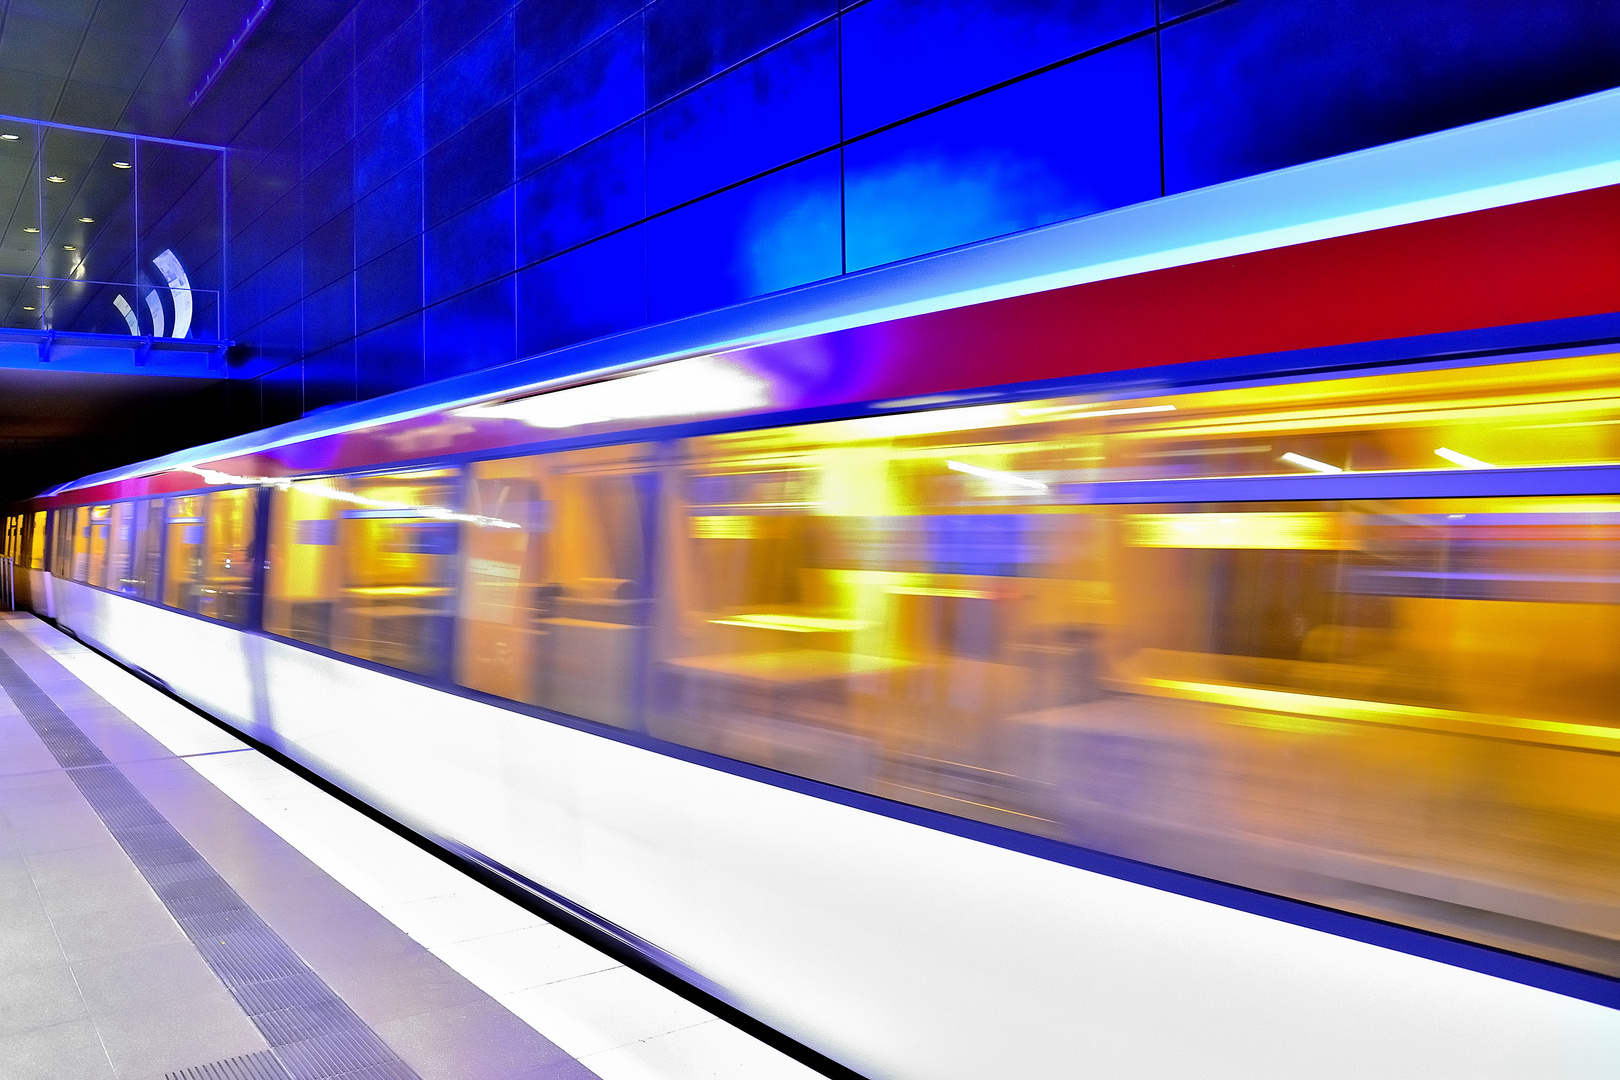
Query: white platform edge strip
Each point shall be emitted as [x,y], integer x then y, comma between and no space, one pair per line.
[615,1021]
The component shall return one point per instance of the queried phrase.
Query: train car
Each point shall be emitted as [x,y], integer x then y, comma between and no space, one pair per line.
[1179,642]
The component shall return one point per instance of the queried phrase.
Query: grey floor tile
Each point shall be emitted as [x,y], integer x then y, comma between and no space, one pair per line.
[27,941]
[158,973]
[39,998]
[70,1051]
[154,1038]
[407,985]
[20,755]
[68,835]
[93,890]
[26,787]
[129,926]
[482,1039]
[62,813]
[73,864]
[15,880]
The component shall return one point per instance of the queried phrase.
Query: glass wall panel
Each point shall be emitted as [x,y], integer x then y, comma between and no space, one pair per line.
[557,597]
[22,301]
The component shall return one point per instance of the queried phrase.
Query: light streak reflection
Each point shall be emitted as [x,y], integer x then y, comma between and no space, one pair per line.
[438,513]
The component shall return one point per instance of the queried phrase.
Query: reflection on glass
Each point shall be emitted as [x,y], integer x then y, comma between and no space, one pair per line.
[120,548]
[100,536]
[64,522]
[1398,706]
[1401,707]
[79,545]
[364,566]
[36,541]
[208,563]
[556,613]
[147,562]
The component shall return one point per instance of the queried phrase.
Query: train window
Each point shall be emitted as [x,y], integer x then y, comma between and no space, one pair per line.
[850,605]
[365,566]
[36,541]
[919,608]
[556,600]
[304,579]
[120,548]
[81,544]
[182,578]
[100,536]
[146,563]
[208,560]
[62,550]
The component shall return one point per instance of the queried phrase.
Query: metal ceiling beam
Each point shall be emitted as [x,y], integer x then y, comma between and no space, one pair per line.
[112,354]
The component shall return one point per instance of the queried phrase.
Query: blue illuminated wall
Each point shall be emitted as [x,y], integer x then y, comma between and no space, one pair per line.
[456,184]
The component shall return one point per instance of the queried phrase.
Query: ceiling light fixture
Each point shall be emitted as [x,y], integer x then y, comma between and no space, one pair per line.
[57,179]
[44,286]
[69,247]
[87,220]
[122,165]
[27,308]
[29,228]
[9,137]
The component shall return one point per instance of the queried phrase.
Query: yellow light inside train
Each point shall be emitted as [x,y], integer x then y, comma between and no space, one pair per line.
[723,527]
[1462,459]
[1263,531]
[1310,463]
[1080,412]
[996,475]
[793,624]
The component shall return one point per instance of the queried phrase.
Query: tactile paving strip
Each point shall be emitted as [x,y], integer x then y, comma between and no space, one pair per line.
[260,1066]
[313,1034]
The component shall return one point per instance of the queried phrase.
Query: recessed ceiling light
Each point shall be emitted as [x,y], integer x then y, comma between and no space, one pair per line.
[44,286]
[29,228]
[69,247]
[87,219]
[121,165]
[25,306]
[9,137]
[57,179]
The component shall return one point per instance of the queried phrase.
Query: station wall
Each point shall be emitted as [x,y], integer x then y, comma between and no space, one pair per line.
[448,185]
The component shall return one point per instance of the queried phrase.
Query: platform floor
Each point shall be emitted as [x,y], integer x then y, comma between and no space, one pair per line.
[174,904]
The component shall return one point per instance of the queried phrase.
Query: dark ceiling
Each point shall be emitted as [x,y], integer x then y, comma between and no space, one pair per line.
[60,425]
[175,69]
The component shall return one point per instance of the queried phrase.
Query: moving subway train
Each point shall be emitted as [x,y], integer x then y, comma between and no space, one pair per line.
[1148,713]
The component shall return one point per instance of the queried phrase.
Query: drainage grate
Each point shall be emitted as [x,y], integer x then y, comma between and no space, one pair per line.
[260,1066]
[313,1034]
